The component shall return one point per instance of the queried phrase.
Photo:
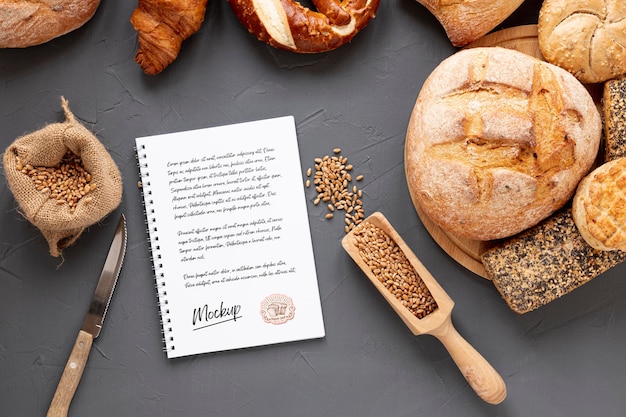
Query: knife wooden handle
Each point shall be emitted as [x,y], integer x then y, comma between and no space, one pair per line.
[71,375]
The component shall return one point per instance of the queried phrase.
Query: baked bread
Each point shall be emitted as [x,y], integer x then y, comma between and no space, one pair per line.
[287,24]
[25,23]
[614,117]
[162,26]
[497,141]
[599,206]
[586,37]
[545,263]
[467,21]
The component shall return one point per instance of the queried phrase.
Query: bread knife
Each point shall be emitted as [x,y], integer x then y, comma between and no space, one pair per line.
[91,325]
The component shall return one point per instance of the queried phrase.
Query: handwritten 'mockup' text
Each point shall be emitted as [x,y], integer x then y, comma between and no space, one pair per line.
[206,316]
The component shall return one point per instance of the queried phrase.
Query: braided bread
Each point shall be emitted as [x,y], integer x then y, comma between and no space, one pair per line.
[286,24]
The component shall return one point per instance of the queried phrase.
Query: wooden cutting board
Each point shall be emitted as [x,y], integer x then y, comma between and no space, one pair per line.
[465,251]
[520,38]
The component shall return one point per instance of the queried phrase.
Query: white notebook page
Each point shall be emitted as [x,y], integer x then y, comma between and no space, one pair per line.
[229,236]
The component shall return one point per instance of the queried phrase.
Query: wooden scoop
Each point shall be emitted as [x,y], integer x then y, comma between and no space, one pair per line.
[481,376]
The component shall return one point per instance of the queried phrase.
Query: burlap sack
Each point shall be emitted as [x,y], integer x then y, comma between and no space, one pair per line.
[59,224]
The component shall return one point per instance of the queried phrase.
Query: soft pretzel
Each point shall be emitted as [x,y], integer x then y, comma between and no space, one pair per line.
[286,24]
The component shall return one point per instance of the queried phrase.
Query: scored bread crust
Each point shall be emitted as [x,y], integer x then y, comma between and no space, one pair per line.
[599,206]
[497,141]
[287,24]
[25,23]
[586,37]
[467,21]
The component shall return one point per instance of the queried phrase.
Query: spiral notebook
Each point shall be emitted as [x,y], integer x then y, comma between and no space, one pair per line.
[229,237]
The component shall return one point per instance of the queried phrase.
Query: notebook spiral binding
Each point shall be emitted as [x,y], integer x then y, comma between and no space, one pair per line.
[155,255]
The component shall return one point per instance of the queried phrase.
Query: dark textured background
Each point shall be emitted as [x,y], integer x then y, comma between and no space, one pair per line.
[565,359]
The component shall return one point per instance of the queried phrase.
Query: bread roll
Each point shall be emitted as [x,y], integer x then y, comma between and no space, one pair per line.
[599,206]
[26,23]
[586,37]
[469,20]
[497,141]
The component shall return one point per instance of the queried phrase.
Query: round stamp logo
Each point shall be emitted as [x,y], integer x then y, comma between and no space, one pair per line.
[277,309]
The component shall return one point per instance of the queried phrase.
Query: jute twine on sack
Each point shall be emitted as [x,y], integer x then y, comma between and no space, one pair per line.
[60,224]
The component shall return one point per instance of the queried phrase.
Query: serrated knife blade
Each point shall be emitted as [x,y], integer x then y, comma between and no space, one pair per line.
[91,325]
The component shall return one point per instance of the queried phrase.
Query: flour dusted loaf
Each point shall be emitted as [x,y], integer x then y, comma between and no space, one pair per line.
[586,37]
[497,141]
[25,23]
[599,206]
[467,21]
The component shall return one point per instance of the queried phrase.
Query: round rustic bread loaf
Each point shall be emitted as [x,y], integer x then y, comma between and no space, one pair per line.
[599,206]
[586,37]
[497,141]
[25,23]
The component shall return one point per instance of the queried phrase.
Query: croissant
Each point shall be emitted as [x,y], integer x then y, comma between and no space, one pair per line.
[162,26]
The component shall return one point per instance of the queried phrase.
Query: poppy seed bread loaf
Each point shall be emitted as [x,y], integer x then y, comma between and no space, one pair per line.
[544,263]
[614,117]
[498,141]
